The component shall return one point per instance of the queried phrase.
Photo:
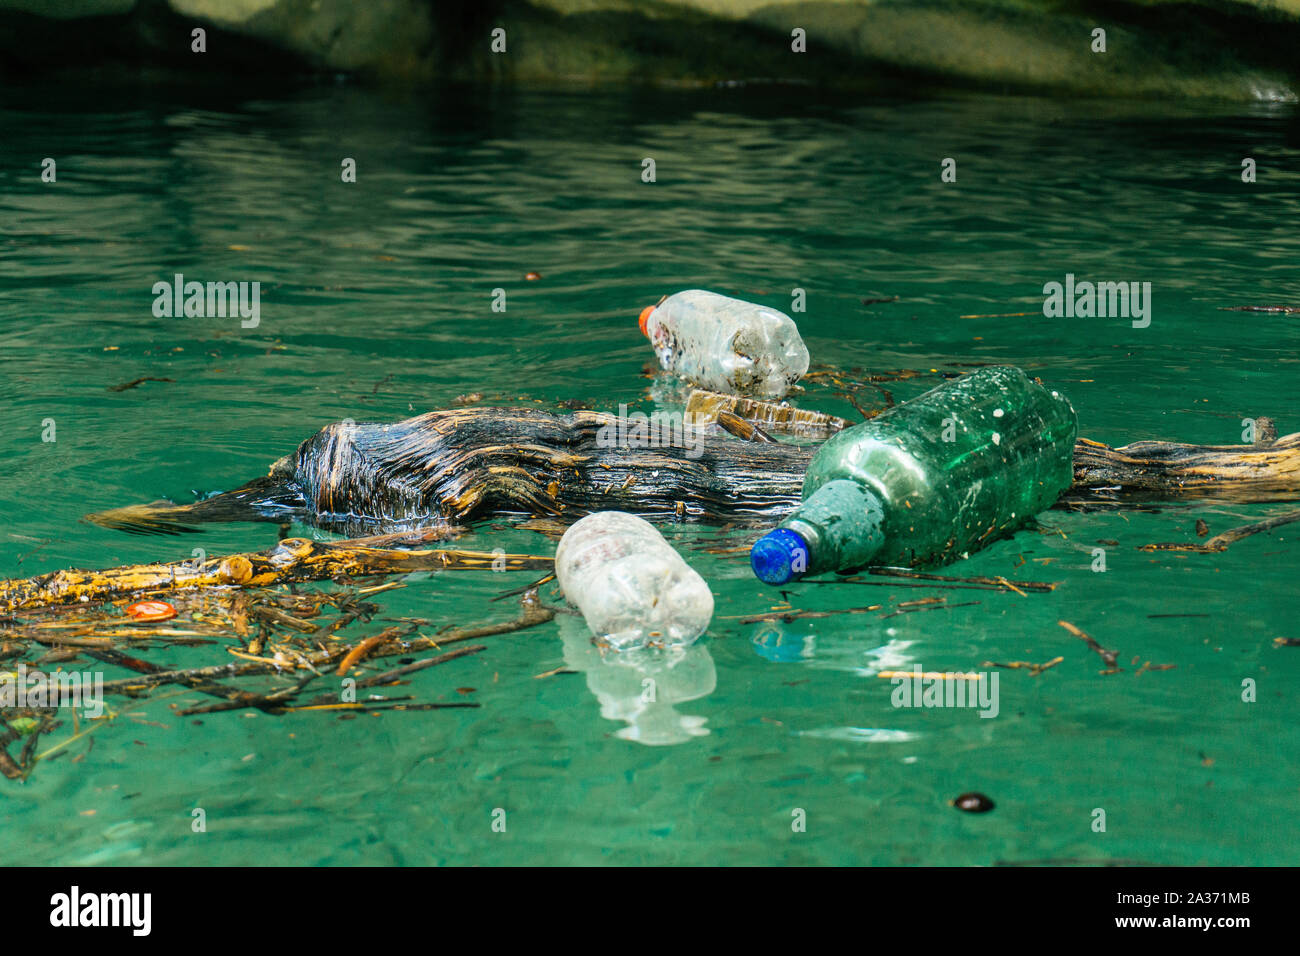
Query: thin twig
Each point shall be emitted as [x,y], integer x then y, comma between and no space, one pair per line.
[1108,656]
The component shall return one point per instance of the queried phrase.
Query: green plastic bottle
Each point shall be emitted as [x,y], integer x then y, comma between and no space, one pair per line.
[928,481]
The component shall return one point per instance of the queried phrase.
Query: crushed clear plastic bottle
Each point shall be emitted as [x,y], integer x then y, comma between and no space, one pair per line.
[726,345]
[632,588]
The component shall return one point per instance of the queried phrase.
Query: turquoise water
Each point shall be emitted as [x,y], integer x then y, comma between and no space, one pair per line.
[376,304]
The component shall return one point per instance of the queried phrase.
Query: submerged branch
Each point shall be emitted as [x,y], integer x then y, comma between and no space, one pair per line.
[1220,542]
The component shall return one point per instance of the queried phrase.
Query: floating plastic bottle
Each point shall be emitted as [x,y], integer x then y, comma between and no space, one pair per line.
[633,589]
[929,480]
[726,345]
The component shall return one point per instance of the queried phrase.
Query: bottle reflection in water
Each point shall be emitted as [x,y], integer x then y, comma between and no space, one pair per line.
[642,687]
[774,641]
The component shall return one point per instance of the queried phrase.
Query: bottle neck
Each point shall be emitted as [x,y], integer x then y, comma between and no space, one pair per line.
[841,523]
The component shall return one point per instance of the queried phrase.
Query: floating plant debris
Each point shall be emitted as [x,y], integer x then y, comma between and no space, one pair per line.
[1260,308]
[1109,657]
[1034,669]
[249,633]
[139,381]
[930,604]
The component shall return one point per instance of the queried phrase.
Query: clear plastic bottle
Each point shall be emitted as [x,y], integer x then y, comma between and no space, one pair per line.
[633,589]
[726,345]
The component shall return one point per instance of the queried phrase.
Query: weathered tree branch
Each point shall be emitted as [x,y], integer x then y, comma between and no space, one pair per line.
[1260,472]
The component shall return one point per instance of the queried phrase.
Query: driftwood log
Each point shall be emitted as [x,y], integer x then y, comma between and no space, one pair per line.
[1265,471]
[458,465]
[455,465]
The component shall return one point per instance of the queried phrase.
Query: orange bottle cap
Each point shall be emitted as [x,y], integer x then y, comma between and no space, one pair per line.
[645,316]
[151,611]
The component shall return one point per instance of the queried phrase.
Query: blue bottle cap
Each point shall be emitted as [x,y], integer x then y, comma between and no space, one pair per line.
[775,555]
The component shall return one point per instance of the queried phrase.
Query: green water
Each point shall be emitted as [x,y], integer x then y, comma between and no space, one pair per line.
[376,304]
